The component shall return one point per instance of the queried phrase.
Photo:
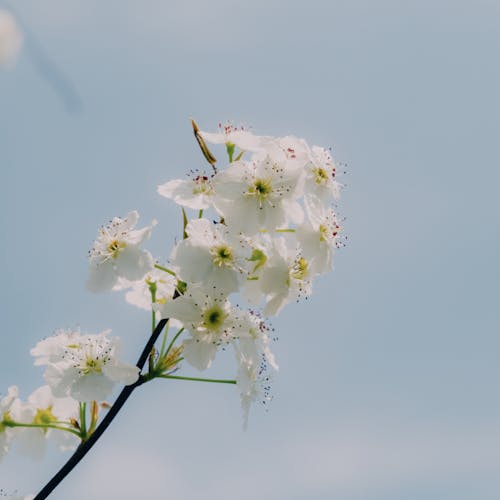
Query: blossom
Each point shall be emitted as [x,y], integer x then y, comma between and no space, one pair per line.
[289,148]
[253,341]
[284,276]
[319,235]
[7,403]
[211,255]
[321,173]
[252,382]
[196,192]
[230,135]
[11,38]
[85,367]
[259,195]
[116,253]
[139,294]
[209,318]
[43,408]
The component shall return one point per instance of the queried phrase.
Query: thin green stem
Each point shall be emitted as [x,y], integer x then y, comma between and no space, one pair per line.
[184,224]
[230,151]
[161,268]
[42,426]
[83,420]
[173,340]
[196,379]
[200,213]
[152,289]
[284,230]
[164,342]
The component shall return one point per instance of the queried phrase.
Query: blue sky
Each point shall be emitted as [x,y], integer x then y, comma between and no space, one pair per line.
[388,374]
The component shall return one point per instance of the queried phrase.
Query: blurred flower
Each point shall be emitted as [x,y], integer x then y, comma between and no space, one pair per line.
[43,408]
[6,404]
[11,38]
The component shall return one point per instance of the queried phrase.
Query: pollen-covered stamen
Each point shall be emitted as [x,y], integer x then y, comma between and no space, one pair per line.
[114,248]
[90,357]
[92,365]
[222,256]
[202,185]
[214,317]
[329,229]
[261,189]
[300,269]
[320,176]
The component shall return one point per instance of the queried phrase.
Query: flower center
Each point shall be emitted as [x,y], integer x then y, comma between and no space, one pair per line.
[213,318]
[92,365]
[299,269]
[115,246]
[321,176]
[202,185]
[261,188]
[222,255]
[44,416]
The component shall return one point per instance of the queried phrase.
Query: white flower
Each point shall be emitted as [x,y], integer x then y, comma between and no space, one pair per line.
[289,148]
[284,276]
[259,195]
[116,253]
[211,256]
[43,408]
[140,293]
[11,38]
[239,137]
[321,175]
[196,192]
[253,341]
[209,318]
[85,367]
[6,405]
[319,236]
[252,382]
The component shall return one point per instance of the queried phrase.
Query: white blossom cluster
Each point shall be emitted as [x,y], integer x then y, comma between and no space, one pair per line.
[262,229]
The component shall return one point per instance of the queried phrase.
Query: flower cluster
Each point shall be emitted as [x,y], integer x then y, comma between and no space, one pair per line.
[263,229]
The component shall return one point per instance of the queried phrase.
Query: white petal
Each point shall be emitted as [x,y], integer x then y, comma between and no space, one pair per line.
[92,387]
[102,277]
[198,353]
[133,263]
[122,372]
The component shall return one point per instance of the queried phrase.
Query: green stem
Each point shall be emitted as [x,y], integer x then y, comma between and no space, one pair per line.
[200,213]
[83,420]
[42,426]
[173,340]
[164,342]
[285,230]
[161,268]
[196,379]
[153,312]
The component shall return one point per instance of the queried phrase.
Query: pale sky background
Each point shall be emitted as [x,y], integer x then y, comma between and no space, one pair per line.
[388,382]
